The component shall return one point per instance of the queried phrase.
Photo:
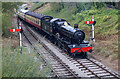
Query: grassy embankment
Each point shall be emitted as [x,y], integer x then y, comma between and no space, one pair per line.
[35,5]
[15,64]
[106,28]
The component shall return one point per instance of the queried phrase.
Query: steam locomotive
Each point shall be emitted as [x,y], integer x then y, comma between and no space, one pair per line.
[70,39]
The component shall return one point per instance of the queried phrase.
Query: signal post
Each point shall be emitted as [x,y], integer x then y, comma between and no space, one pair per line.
[20,34]
[93,23]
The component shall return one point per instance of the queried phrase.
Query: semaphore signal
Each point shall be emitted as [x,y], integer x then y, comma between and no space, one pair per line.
[89,22]
[15,30]
[93,23]
[20,31]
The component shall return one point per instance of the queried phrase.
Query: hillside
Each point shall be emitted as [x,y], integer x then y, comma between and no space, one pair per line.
[106,28]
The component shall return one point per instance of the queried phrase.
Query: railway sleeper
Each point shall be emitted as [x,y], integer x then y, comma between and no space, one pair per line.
[58,72]
[109,76]
[78,65]
[69,76]
[96,70]
[100,72]
[92,76]
[89,73]
[104,74]
[86,71]
[56,64]
[61,70]
[87,63]
[58,67]
[82,69]
[91,65]
[94,67]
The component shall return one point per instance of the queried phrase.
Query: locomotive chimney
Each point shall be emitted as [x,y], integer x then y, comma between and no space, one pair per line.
[75,25]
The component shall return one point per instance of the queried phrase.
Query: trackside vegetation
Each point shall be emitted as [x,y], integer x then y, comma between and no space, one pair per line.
[22,65]
[7,16]
[15,64]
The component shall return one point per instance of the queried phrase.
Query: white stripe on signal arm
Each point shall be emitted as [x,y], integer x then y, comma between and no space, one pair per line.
[13,30]
[19,27]
[87,22]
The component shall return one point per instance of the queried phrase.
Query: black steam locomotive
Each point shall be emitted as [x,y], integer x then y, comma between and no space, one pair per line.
[70,39]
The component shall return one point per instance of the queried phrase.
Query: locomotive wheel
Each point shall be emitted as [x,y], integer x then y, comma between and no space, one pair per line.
[73,55]
[59,45]
[85,55]
[56,42]
[52,40]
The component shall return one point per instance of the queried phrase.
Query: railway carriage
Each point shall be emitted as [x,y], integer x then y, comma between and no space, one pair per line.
[39,20]
[70,39]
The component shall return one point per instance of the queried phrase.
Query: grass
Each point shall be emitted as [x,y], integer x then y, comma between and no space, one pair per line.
[22,65]
[6,24]
[36,5]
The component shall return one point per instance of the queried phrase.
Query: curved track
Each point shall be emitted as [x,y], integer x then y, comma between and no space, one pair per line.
[59,65]
[91,67]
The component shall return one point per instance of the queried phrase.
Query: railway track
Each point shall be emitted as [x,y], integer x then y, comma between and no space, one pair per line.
[89,66]
[60,68]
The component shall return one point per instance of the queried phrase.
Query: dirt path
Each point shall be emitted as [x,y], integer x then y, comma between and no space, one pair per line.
[43,8]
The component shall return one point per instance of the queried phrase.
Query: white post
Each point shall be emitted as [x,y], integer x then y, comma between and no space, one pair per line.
[20,39]
[93,39]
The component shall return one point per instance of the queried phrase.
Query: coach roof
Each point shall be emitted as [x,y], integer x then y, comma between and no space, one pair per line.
[36,15]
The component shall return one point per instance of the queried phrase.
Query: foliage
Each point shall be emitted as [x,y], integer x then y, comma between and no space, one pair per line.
[6,23]
[9,6]
[7,12]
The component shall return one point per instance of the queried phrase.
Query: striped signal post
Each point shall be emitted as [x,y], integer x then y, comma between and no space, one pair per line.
[93,23]
[20,39]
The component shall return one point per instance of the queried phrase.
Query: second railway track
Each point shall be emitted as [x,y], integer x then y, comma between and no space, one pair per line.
[89,66]
[60,68]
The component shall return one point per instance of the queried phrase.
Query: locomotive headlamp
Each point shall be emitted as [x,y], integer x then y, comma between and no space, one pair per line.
[73,45]
[75,25]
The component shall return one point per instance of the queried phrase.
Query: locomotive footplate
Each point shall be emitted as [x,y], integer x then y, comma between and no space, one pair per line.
[80,49]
